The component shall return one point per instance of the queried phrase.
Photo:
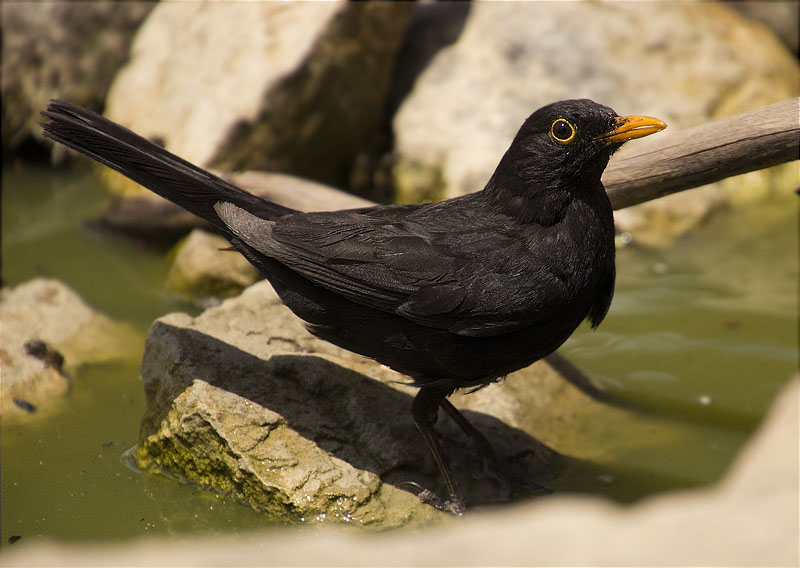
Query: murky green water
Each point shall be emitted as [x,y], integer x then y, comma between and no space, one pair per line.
[701,336]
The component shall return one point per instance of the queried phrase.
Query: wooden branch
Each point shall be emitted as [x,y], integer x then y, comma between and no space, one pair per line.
[673,161]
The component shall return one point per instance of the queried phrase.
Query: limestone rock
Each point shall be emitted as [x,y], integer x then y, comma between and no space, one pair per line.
[203,265]
[297,193]
[56,319]
[685,63]
[296,87]
[432,26]
[244,401]
[750,519]
[69,50]
[151,217]
[780,17]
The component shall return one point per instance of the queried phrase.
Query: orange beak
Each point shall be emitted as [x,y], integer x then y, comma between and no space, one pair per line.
[630,127]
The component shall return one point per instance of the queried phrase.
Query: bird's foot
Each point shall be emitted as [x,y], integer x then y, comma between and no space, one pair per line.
[455,506]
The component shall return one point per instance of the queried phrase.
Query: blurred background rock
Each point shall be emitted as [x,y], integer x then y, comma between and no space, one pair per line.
[396,102]
[71,50]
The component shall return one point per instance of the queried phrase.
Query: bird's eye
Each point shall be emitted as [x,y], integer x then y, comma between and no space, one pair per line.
[562,131]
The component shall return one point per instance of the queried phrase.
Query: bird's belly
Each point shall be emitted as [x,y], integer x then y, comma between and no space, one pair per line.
[426,354]
[435,355]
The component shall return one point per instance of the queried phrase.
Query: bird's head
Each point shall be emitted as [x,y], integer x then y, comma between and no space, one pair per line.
[577,137]
[563,148]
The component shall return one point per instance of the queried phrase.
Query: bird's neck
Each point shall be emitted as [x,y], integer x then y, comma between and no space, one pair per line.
[530,193]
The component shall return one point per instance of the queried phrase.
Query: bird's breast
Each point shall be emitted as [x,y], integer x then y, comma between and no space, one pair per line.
[579,250]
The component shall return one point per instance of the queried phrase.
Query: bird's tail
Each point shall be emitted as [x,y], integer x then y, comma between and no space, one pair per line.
[150,165]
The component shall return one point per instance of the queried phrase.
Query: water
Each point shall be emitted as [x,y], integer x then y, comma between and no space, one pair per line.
[700,337]
[64,475]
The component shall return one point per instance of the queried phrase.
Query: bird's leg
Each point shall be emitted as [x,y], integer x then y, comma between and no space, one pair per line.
[483,445]
[497,470]
[425,409]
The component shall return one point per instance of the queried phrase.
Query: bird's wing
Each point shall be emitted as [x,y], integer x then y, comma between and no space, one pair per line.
[427,268]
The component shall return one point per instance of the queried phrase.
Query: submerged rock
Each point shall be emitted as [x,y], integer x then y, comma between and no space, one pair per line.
[48,331]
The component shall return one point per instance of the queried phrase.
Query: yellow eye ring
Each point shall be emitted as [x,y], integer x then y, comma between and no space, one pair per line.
[562,131]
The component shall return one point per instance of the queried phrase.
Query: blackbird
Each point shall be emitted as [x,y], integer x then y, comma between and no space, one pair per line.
[454,294]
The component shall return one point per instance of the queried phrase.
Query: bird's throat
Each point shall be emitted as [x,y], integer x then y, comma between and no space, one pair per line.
[539,198]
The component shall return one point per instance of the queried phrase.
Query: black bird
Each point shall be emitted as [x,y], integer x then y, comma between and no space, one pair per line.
[453,294]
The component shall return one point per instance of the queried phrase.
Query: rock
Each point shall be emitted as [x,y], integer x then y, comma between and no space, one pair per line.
[780,17]
[151,217]
[297,193]
[68,50]
[750,519]
[291,87]
[229,406]
[432,26]
[244,401]
[44,320]
[204,266]
[674,61]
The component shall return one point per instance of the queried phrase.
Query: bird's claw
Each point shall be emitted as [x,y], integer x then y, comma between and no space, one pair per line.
[454,506]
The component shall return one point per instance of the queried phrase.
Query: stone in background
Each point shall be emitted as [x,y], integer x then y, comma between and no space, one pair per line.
[686,63]
[296,87]
[48,312]
[69,50]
